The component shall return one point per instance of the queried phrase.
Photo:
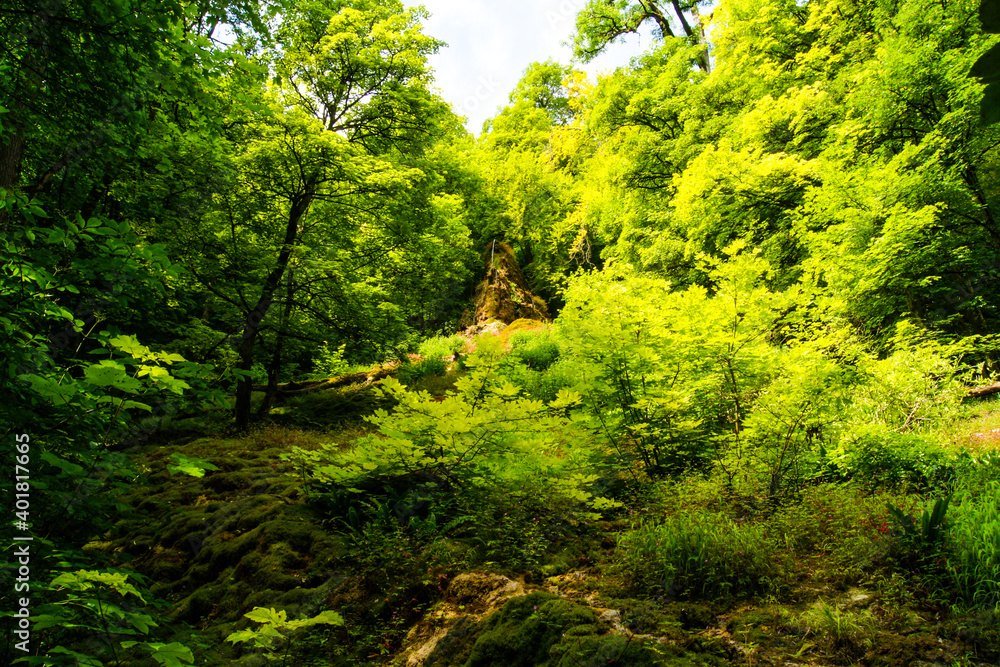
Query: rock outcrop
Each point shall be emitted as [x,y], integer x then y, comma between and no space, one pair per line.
[503,293]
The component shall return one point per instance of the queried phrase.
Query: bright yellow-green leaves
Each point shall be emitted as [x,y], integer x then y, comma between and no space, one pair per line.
[276,631]
[487,433]
[725,195]
[838,136]
[347,65]
[678,377]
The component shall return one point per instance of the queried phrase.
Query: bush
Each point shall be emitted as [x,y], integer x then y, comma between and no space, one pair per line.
[537,350]
[700,554]
[849,528]
[914,388]
[442,346]
[848,634]
[329,362]
[513,529]
[878,458]
[975,473]
[546,384]
[330,408]
[482,435]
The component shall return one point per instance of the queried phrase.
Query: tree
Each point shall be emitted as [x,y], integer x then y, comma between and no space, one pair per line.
[325,159]
[528,162]
[602,22]
[987,68]
[542,86]
[842,143]
[79,71]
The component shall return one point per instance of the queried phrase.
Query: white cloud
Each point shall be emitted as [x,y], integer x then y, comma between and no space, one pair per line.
[490,43]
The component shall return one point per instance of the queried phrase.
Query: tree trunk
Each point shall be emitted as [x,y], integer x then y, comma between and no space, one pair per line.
[11,153]
[274,368]
[988,390]
[272,381]
[251,326]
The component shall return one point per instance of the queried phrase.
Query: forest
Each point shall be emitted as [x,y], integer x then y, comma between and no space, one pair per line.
[691,363]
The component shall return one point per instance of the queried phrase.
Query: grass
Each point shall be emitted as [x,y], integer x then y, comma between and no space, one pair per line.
[700,554]
[974,563]
[442,347]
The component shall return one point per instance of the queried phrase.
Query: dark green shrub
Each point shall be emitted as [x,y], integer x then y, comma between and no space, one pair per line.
[973,474]
[876,458]
[848,526]
[919,542]
[330,407]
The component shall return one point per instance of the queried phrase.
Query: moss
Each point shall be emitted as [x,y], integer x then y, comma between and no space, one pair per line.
[537,629]
[167,564]
[524,630]
[336,407]
[646,618]
[523,324]
[298,597]
[232,605]
[503,293]
[228,481]
[608,650]
[227,549]
[196,606]
[694,616]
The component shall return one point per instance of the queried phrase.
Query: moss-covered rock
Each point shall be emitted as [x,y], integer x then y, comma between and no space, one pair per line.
[535,630]
[503,293]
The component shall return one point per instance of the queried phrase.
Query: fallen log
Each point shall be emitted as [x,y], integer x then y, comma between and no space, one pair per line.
[346,380]
[988,390]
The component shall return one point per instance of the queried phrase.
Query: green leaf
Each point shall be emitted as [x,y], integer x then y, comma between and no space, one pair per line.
[105,374]
[81,659]
[265,615]
[46,621]
[190,466]
[141,622]
[71,469]
[173,654]
[136,405]
[241,636]
[566,398]
[328,617]
[49,389]
[130,345]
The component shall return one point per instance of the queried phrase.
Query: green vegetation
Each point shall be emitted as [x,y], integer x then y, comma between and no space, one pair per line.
[674,366]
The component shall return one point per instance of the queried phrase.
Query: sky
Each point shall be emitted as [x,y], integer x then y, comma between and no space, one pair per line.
[491,42]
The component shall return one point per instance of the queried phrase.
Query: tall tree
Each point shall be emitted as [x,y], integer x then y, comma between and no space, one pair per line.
[349,97]
[602,22]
